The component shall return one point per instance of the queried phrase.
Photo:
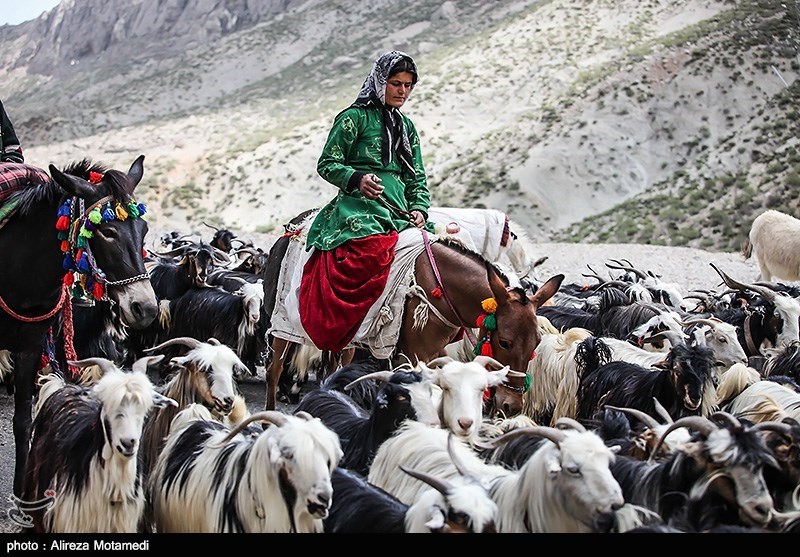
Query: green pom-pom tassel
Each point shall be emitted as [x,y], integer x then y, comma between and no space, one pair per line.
[81,242]
[133,210]
[85,233]
[477,349]
[528,380]
[95,216]
[77,291]
[490,322]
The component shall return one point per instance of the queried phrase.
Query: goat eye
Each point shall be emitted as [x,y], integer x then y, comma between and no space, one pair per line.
[574,470]
[457,518]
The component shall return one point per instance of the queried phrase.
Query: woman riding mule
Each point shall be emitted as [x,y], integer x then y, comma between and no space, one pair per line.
[373,156]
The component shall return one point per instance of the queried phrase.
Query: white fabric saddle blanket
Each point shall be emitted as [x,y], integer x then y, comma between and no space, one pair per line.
[380,330]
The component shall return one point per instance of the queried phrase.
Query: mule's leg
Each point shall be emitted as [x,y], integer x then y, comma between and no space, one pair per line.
[24,375]
[279,347]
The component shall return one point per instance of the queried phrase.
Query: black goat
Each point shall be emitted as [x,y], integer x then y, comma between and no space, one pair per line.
[361,433]
[715,479]
[682,383]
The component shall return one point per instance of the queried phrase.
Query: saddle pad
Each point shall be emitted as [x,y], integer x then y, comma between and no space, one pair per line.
[380,329]
[15,177]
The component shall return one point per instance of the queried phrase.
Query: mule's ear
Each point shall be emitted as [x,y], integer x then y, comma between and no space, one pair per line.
[497,285]
[547,290]
[136,171]
[71,184]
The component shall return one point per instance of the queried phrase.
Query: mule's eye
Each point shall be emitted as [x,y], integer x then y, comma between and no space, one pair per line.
[107,233]
[504,344]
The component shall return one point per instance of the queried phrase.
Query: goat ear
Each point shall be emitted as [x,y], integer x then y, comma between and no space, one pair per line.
[436,519]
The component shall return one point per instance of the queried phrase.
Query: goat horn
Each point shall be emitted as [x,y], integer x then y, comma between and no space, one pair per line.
[303,414]
[271,416]
[104,364]
[727,418]
[551,433]
[783,429]
[768,294]
[457,462]
[435,483]
[643,417]
[661,411]
[440,361]
[704,425]
[570,423]
[141,364]
[488,361]
[620,267]
[210,226]
[192,343]
[377,375]
[213,341]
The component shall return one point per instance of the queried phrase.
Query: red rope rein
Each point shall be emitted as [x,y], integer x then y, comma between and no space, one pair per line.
[48,315]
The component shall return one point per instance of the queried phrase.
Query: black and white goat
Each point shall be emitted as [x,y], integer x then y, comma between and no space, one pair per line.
[715,478]
[247,479]
[565,486]
[683,382]
[461,506]
[83,466]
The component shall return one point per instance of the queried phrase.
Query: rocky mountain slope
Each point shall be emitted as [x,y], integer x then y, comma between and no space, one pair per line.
[657,121]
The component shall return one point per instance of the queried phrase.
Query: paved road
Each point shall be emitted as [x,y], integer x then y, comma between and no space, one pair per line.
[254,391]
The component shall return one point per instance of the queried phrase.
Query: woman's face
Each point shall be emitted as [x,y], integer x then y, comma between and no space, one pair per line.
[398,88]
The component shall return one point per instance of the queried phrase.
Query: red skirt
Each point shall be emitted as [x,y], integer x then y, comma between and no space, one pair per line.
[339,286]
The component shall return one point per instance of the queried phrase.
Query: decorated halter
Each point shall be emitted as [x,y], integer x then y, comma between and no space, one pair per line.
[75,227]
[487,322]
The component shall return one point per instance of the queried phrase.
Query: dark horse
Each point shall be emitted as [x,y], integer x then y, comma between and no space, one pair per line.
[32,288]
[466,280]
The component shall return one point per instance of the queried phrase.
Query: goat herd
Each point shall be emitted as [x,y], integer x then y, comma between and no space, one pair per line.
[647,407]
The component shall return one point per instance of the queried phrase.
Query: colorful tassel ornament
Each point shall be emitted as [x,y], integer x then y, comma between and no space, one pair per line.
[121,213]
[489,305]
[436,292]
[69,279]
[490,322]
[528,380]
[108,213]
[95,177]
[486,349]
[62,223]
[98,291]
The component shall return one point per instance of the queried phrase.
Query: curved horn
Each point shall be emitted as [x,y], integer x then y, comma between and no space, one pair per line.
[141,364]
[437,484]
[303,414]
[643,417]
[724,418]
[271,416]
[551,433]
[778,427]
[214,342]
[620,267]
[704,425]
[767,294]
[104,364]
[661,411]
[440,361]
[180,250]
[377,375]
[192,343]
[487,361]
[210,226]
[570,424]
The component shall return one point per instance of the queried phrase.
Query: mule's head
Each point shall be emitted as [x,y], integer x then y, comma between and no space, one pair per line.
[517,334]
[117,241]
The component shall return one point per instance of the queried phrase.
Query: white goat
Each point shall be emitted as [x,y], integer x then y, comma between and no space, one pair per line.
[563,487]
[209,479]
[775,240]
[82,464]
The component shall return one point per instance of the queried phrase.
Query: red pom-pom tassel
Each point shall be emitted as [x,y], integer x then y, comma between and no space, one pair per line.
[486,349]
[69,279]
[436,292]
[98,291]
[487,394]
[62,223]
[144,253]
[64,246]
[479,320]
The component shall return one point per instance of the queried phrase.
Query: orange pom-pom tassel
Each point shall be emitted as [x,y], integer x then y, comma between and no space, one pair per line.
[489,305]
[62,223]
[64,246]
[436,292]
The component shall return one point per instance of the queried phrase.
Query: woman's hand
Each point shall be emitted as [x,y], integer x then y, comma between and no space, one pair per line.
[370,186]
[417,218]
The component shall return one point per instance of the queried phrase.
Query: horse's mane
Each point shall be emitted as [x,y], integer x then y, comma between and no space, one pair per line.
[50,191]
[461,248]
